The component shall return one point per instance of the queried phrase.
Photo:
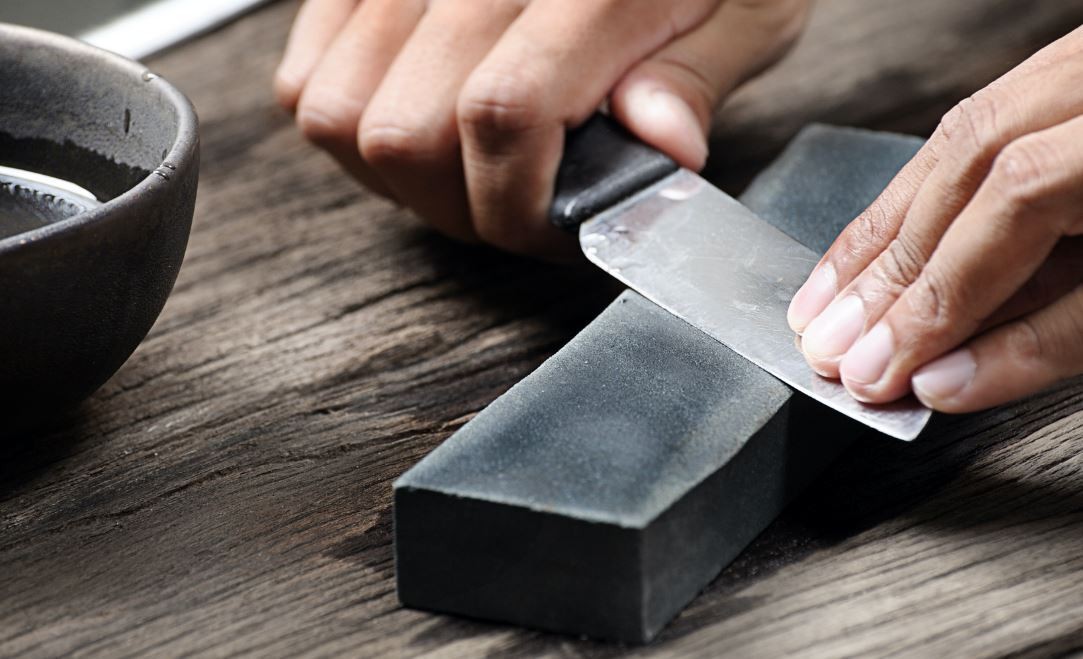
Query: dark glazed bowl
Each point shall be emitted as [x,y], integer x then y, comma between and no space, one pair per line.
[77,295]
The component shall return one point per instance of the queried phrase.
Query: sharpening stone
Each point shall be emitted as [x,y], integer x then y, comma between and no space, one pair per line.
[601,493]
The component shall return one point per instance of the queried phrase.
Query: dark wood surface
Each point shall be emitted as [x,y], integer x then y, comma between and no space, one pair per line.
[228,491]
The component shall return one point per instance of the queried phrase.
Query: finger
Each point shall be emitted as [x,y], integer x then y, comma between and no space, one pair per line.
[409,133]
[317,23]
[871,233]
[340,87]
[890,240]
[1010,362]
[1058,275]
[515,107]
[1028,202]
[668,99]
[858,245]
[969,139]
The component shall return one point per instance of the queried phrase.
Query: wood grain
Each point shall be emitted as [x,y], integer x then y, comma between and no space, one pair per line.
[228,491]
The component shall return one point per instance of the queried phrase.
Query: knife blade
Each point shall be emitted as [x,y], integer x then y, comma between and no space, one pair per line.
[698,253]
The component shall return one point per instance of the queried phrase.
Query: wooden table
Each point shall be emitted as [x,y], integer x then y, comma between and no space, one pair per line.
[229,490]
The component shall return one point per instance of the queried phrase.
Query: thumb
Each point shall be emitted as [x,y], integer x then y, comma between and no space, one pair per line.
[667,100]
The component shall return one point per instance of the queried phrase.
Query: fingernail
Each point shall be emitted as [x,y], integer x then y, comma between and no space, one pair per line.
[944,378]
[671,119]
[812,298]
[866,362]
[832,333]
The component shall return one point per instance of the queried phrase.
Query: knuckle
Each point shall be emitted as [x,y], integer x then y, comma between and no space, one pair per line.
[970,128]
[1024,172]
[326,123]
[880,221]
[868,231]
[931,303]
[496,104]
[1051,339]
[899,265]
[1025,342]
[869,227]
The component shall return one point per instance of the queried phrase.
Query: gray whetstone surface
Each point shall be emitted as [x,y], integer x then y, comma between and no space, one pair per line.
[602,492]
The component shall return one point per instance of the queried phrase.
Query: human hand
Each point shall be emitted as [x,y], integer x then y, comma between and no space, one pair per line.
[962,281]
[458,108]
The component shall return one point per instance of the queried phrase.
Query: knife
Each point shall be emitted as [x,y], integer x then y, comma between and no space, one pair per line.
[698,253]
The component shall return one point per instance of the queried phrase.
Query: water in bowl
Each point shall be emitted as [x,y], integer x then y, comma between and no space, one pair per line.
[29,201]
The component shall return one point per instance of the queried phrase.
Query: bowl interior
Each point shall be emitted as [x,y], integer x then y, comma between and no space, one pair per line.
[81,115]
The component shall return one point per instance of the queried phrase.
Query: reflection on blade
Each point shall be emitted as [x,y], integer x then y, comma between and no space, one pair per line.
[700,254]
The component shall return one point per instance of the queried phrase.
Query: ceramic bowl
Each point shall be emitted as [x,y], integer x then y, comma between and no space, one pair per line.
[81,289]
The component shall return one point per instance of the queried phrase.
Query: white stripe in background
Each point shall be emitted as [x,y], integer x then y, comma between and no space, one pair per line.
[161,24]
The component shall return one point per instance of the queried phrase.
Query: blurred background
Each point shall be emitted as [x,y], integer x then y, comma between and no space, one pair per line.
[135,28]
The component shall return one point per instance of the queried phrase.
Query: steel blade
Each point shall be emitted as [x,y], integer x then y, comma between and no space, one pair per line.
[700,254]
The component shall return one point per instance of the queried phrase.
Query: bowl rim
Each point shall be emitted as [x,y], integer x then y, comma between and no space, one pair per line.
[183,149]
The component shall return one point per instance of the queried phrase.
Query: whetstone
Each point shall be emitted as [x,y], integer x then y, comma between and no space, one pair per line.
[602,492]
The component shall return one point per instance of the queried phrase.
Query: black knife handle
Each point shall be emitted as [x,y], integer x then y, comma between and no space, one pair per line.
[602,165]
